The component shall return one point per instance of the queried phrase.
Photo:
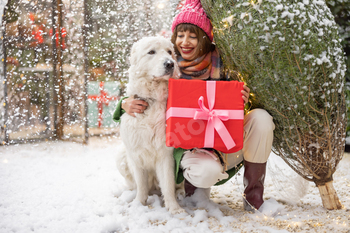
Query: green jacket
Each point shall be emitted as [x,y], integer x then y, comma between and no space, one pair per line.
[178,152]
[119,111]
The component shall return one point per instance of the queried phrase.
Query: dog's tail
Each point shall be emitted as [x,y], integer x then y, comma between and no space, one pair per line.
[123,167]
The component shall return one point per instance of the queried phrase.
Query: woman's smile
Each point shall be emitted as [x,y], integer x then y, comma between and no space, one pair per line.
[187,49]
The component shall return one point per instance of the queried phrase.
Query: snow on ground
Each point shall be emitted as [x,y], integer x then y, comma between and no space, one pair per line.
[68,187]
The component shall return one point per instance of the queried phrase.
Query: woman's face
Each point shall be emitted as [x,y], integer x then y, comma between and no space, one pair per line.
[186,43]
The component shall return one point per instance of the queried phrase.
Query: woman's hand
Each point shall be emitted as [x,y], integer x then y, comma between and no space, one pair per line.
[132,106]
[245,93]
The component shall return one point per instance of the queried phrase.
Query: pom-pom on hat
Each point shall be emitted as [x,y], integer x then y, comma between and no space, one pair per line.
[193,13]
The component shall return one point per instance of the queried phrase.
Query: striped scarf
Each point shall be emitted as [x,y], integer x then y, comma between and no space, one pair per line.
[208,66]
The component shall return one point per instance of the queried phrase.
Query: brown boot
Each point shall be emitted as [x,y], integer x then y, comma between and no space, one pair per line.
[189,188]
[253,179]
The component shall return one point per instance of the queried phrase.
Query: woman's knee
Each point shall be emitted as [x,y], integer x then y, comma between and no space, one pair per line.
[261,120]
[204,173]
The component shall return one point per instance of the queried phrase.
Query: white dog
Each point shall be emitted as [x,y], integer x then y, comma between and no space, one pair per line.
[147,163]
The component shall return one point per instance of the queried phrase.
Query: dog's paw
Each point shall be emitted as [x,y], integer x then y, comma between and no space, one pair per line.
[177,210]
[180,194]
[142,198]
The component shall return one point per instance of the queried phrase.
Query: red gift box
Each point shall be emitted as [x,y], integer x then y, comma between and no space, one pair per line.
[192,121]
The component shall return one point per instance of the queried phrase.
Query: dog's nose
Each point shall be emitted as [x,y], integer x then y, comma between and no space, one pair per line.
[169,65]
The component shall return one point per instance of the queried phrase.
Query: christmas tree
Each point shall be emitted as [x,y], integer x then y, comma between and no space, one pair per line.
[290,55]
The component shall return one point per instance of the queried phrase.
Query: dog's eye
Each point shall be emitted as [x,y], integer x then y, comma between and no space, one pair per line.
[152,52]
[169,51]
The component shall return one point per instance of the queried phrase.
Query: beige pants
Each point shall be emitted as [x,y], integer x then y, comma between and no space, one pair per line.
[258,137]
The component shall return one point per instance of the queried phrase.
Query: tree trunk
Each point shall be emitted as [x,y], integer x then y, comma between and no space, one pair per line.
[329,196]
[60,104]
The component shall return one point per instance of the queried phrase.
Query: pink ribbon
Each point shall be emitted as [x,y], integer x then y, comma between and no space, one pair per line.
[215,117]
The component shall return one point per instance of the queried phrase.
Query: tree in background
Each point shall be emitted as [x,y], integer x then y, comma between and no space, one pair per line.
[290,54]
[341,11]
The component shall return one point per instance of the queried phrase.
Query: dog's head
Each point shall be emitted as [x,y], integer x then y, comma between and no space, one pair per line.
[153,58]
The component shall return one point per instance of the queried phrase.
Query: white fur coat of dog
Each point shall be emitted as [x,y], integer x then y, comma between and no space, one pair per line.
[147,163]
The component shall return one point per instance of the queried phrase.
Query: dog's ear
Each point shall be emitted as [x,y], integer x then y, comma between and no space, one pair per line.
[133,54]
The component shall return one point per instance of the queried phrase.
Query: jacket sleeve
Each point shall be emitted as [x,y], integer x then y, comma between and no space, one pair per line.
[119,111]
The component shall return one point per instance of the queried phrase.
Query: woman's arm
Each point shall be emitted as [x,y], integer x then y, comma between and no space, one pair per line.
[119,111]
[130,106]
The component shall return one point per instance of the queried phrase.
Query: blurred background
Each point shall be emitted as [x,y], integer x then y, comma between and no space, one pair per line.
[64,63]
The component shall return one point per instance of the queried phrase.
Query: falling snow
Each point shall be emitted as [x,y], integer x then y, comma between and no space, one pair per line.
[56,186]
[30,108]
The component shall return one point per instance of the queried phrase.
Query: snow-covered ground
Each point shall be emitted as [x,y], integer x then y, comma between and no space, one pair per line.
[68,187]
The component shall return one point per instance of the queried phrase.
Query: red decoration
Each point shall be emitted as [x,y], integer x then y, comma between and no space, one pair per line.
[32,17]
[180,5]
[188,103]
[37,34]
[102,99]
[64,34]
[37,31]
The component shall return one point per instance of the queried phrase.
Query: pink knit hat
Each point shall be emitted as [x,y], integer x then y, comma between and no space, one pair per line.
[193,13]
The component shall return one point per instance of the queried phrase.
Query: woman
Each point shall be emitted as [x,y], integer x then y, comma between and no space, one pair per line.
[199,59]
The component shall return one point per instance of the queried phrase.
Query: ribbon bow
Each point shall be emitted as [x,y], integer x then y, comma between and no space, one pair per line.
[214,118]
